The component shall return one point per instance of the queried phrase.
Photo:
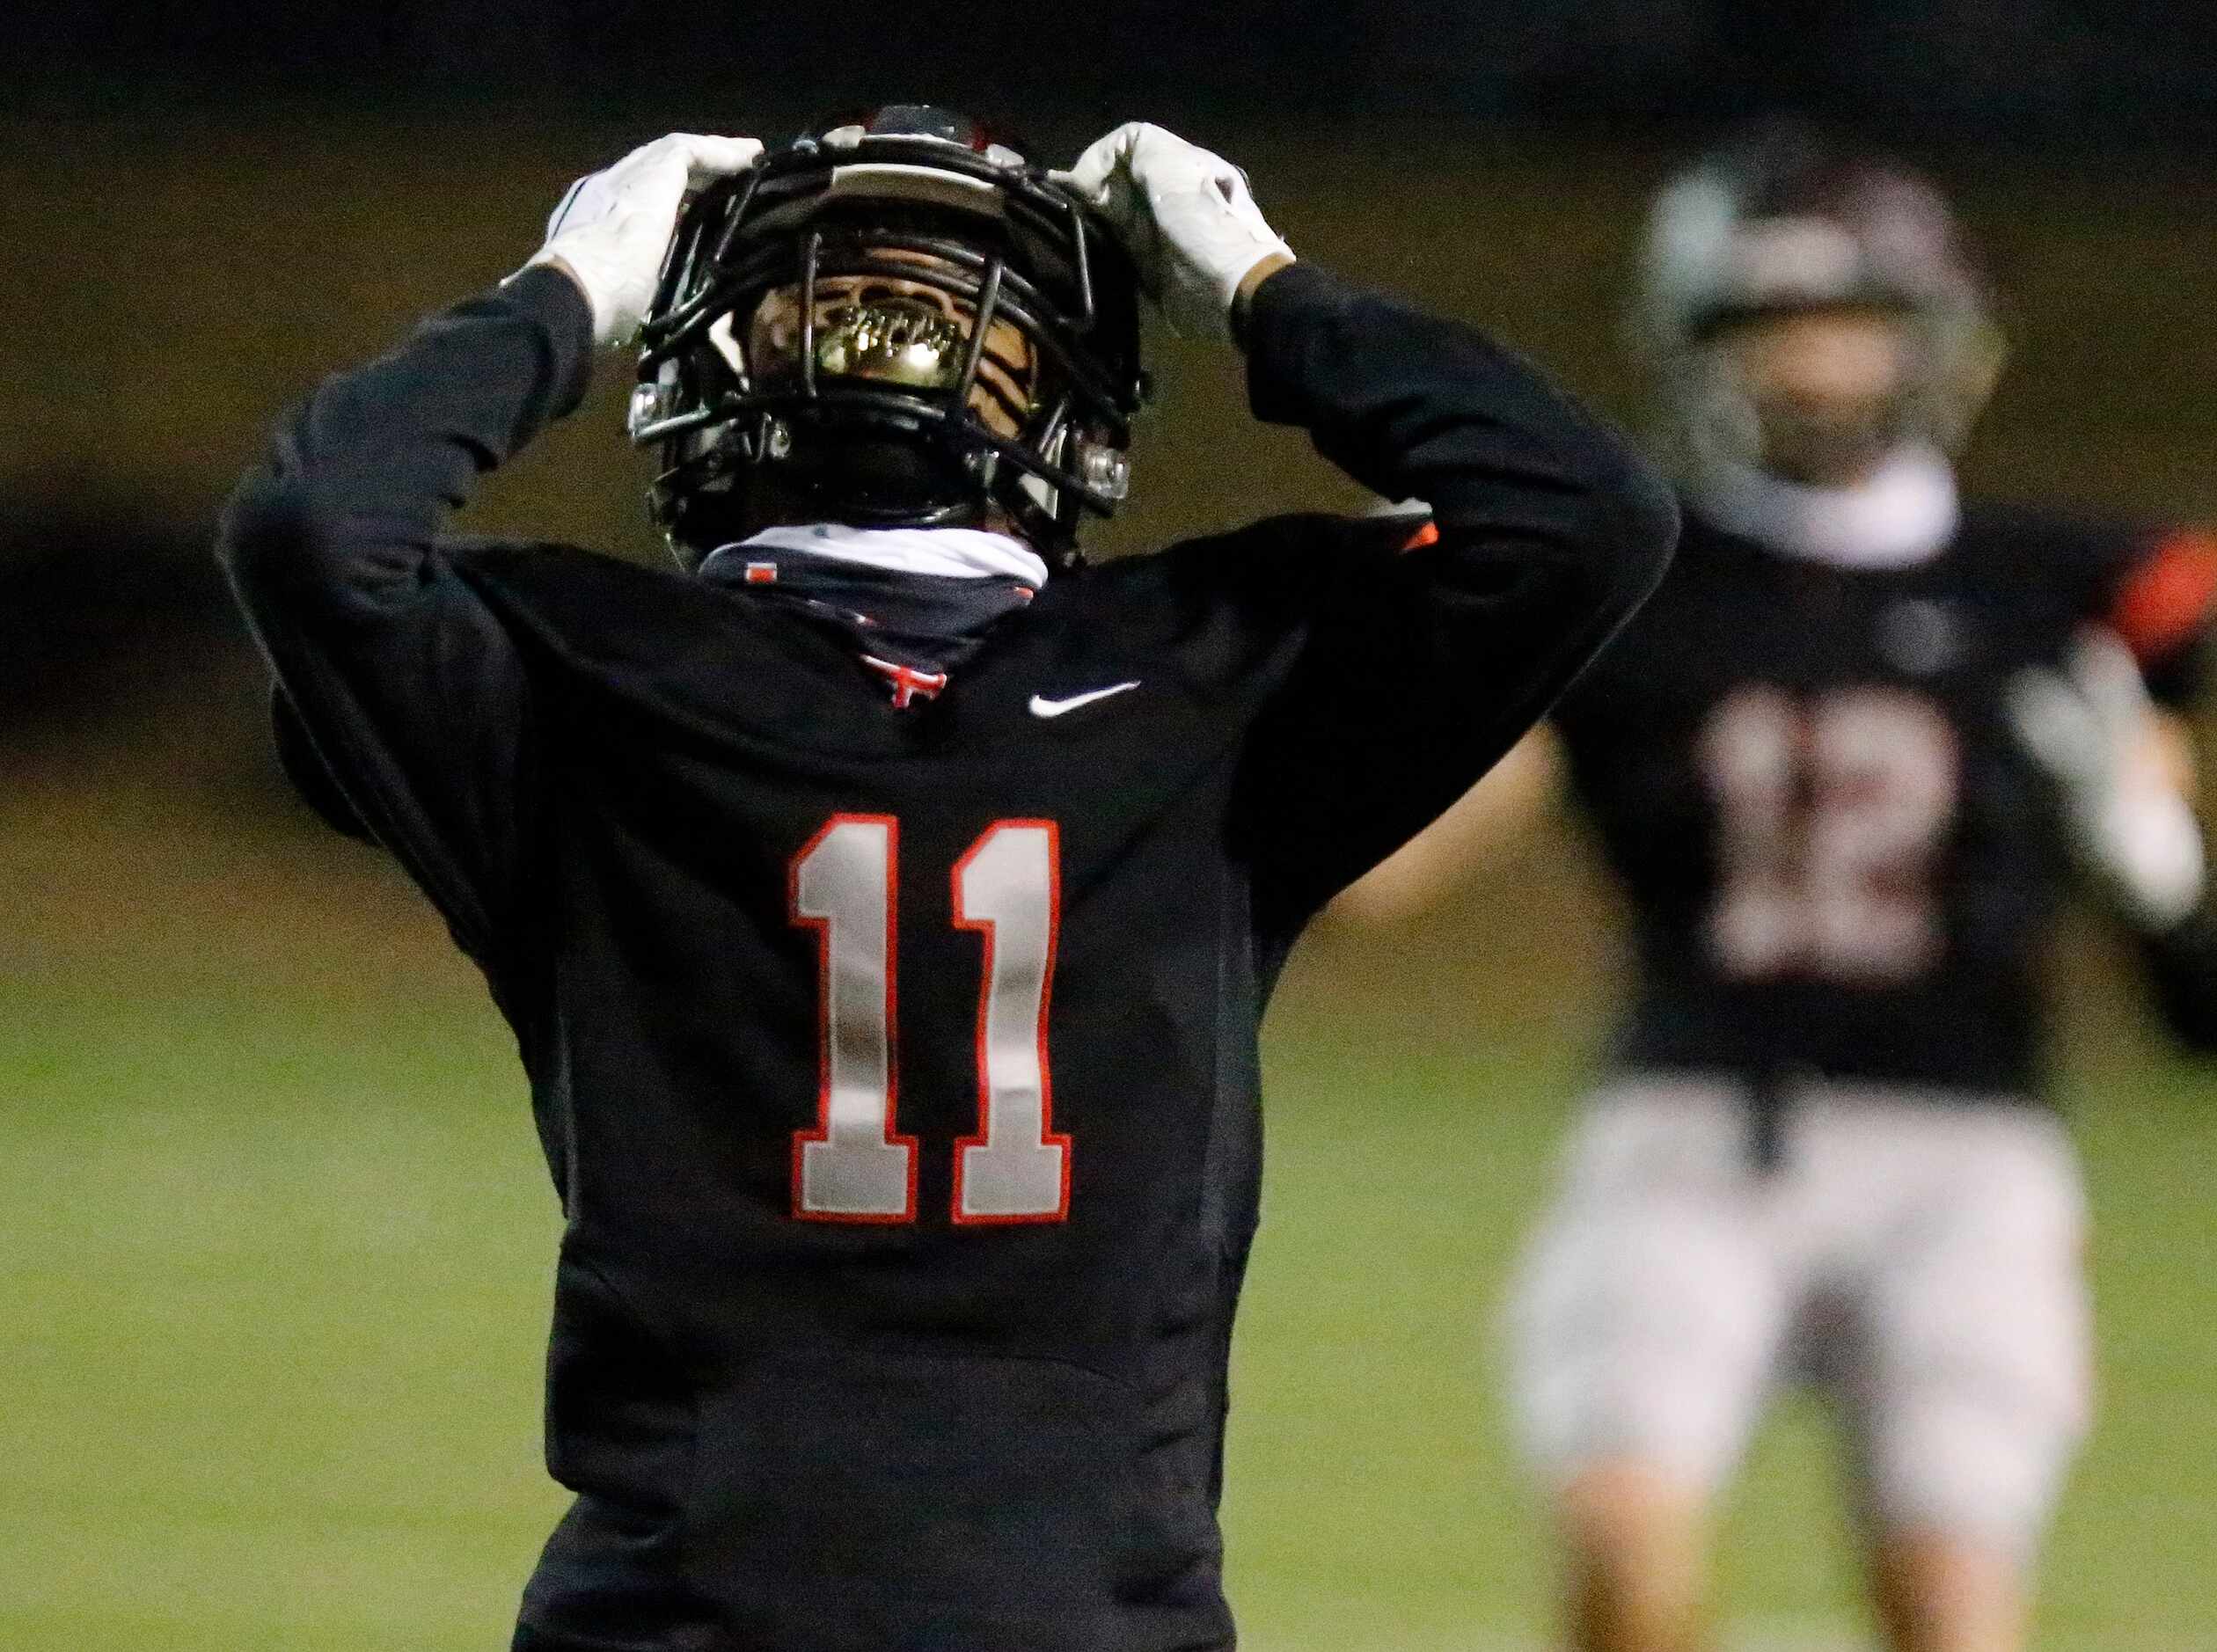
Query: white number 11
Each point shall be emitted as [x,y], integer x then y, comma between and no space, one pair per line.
[854,1167]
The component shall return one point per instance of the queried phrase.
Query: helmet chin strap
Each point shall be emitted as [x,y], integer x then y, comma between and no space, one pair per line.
[884,483]
[879,474]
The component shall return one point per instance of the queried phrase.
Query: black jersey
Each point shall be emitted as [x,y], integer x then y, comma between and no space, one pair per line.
[1839,859]
[896,1056]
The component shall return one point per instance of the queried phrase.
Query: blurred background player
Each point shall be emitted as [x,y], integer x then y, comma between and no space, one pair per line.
[1841,766]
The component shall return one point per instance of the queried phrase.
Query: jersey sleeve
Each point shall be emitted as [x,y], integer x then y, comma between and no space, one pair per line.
[2181,970]
[2158,591]
[1426,650]
[403,703]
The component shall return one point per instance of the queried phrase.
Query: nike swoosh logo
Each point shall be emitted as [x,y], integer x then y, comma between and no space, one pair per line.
[1041,706]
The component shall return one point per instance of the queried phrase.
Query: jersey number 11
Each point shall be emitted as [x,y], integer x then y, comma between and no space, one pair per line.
[854,1165]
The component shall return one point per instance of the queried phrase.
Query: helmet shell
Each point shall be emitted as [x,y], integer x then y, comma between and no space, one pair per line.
[926,197]
[1780,220]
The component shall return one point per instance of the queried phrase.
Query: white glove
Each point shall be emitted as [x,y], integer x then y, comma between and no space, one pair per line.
[610,231]
[2088,725]
[1184,215]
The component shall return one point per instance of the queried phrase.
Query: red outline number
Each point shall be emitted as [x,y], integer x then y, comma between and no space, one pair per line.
[854,1165]
[1008,887]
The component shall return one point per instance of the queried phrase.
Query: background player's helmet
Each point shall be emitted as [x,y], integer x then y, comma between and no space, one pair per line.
[897,320]
[1780,221]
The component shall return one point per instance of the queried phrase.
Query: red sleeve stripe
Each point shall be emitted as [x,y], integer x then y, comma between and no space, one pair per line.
[1429,534]
[2169,597]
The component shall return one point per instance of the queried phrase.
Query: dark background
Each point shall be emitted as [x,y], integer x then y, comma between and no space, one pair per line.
[2133,70]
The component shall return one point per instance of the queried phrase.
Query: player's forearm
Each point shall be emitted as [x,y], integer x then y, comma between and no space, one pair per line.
[1417,407]
[403,688]
[360,475]
[2182,970]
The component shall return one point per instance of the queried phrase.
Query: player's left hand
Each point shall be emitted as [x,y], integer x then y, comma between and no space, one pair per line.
[2091,726]
[609,231]
[1186,217]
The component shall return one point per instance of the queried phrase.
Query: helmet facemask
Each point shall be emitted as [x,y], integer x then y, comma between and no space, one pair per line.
[906,334]
[1814,396]
[895,330]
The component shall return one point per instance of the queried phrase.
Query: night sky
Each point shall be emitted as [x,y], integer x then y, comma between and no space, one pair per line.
[2024,72]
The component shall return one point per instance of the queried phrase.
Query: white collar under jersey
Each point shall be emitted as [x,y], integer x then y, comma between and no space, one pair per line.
[962,553]
[1903,514]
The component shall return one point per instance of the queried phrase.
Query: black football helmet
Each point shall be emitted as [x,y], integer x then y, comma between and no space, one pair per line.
[1782,219]
[897,320]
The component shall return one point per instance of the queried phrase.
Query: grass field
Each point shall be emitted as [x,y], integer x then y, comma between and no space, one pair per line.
[276,1260]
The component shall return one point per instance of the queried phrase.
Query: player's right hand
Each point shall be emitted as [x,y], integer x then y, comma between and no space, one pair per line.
[610,231]
[2092,726]
[1184,215]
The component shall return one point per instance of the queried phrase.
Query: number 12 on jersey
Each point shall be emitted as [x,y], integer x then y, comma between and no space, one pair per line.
[1831,816]
[855,1165]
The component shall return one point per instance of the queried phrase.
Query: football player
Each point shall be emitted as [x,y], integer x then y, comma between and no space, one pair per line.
[1842,767]
[885,900]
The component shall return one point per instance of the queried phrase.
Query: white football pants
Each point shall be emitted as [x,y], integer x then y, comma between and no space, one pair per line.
[1919,1258]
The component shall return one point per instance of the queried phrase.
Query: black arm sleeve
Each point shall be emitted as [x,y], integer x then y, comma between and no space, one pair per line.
[404,684]
[2180,965]
[1422,666]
